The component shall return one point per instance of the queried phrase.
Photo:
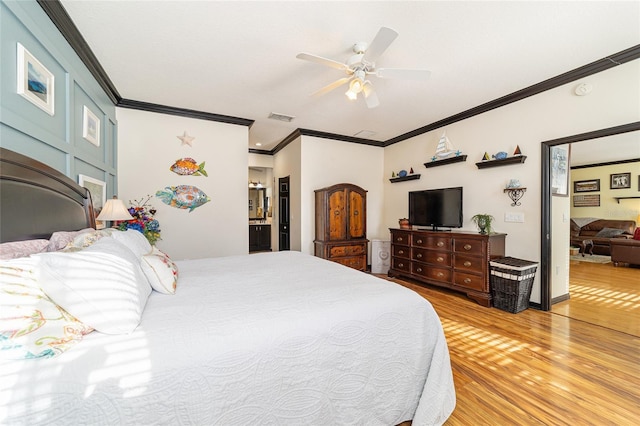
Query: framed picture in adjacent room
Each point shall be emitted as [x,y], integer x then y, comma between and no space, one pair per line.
[90,126]
[560,170]
[620,180]
[592,185]
[35,82]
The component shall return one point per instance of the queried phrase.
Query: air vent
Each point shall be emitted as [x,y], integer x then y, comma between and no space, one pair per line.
[281,117]
[366,134]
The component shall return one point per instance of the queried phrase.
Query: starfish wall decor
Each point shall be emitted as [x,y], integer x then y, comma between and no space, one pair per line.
[186,139]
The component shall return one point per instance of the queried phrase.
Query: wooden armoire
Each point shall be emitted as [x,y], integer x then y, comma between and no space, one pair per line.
[341,225]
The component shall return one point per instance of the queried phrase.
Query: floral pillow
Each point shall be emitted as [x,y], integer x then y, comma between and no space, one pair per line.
[31,324]
[87,239]
[161,271]
[15,249]
[60,239]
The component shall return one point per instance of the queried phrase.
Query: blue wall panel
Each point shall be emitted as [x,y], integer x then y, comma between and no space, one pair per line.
[55,140]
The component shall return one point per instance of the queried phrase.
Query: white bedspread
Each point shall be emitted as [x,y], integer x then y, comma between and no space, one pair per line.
[274,338]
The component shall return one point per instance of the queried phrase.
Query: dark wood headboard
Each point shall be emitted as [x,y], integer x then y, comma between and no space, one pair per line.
[36,200]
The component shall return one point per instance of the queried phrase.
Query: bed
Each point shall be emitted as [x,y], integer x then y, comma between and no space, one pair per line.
[268,338]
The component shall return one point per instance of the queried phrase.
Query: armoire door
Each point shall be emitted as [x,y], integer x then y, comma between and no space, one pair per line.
[337,216]
[357,215]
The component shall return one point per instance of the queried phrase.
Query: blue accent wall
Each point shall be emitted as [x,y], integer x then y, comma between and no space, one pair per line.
[26,128]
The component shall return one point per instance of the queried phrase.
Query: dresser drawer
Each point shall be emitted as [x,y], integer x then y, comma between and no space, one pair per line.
[401,251]
[431,256]
[401,238]
[470,281]
[462,245]
[469,263]
[355,262]
[401,264]
[427,271]
[341,251]
[432,242]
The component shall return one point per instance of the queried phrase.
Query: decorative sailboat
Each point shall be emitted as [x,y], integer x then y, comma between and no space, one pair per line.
[444,149]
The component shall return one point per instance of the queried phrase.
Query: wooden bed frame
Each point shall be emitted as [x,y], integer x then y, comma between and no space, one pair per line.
[30,190]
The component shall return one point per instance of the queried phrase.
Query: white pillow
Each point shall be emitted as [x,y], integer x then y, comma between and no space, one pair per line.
[102,285]
[31,325]
[161,271]
[134,240]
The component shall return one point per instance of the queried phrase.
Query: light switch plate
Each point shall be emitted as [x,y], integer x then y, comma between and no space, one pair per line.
[514,217]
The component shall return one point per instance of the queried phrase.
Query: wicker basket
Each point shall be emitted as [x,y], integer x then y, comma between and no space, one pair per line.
[511,283]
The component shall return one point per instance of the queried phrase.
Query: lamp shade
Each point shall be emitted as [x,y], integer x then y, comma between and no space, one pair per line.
[114,209]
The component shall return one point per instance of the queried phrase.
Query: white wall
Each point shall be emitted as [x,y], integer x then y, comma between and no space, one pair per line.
[549,115]
[326,162]
[148,146]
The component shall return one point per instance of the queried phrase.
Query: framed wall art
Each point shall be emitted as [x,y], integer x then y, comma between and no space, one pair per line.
[592,185]
[90,126]
[560,170]
[35,82]
[620,180]
[586,200]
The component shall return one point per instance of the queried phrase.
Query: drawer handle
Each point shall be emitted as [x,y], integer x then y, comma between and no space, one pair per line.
[337,212]
[356,213]
[440,274]
[440,259]
[419,242]
[467,263]
[400,265]
[399,239]
[440,244]
[419,255]
[419,270]
[400,251]
[467,246]
[467,280]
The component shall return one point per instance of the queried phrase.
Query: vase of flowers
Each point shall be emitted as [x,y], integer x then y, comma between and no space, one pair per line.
[143,220]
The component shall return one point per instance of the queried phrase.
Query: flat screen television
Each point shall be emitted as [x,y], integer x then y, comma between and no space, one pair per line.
[436,208]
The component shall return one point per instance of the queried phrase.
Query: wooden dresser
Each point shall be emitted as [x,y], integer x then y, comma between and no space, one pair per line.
[452,259]
[341,225]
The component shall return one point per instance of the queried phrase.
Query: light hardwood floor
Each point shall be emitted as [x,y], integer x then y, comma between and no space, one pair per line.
[604,295]
[534,367]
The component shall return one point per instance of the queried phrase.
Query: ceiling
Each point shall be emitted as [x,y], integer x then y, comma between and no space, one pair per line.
[238,58]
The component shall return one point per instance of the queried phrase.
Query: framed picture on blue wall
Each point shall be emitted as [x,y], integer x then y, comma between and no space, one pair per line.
[90,126]
[35,82]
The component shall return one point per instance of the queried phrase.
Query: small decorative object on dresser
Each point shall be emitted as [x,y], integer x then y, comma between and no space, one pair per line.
[341,225]
[404,223]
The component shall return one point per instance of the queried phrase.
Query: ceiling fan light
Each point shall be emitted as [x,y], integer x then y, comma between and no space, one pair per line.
[356,86]
[351,95]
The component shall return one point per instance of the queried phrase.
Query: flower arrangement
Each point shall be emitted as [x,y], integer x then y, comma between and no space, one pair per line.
[143,220]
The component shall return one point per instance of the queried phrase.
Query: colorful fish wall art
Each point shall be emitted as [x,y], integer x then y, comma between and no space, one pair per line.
[188,167]
[183,197]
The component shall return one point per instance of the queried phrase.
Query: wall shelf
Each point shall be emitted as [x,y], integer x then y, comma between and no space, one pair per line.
[456,159]
[624,198]
[504,162]
[515,194]
[403,178]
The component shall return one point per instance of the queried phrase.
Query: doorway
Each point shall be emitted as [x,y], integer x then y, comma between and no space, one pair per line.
[546,255]
[284,237]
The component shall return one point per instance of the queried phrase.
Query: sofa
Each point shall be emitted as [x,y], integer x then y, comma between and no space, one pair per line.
[600,232]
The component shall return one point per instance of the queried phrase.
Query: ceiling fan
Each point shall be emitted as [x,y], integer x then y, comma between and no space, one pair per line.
[363,64]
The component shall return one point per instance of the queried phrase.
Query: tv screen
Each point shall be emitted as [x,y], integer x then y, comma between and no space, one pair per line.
[436,208]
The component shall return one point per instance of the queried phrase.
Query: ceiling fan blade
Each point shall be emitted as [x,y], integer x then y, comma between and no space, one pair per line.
[380,43]
[322,61]
[370,96]
[407,74]
[330,87]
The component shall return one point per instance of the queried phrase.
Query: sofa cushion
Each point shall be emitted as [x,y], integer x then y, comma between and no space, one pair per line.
[609,232]
[592,228]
